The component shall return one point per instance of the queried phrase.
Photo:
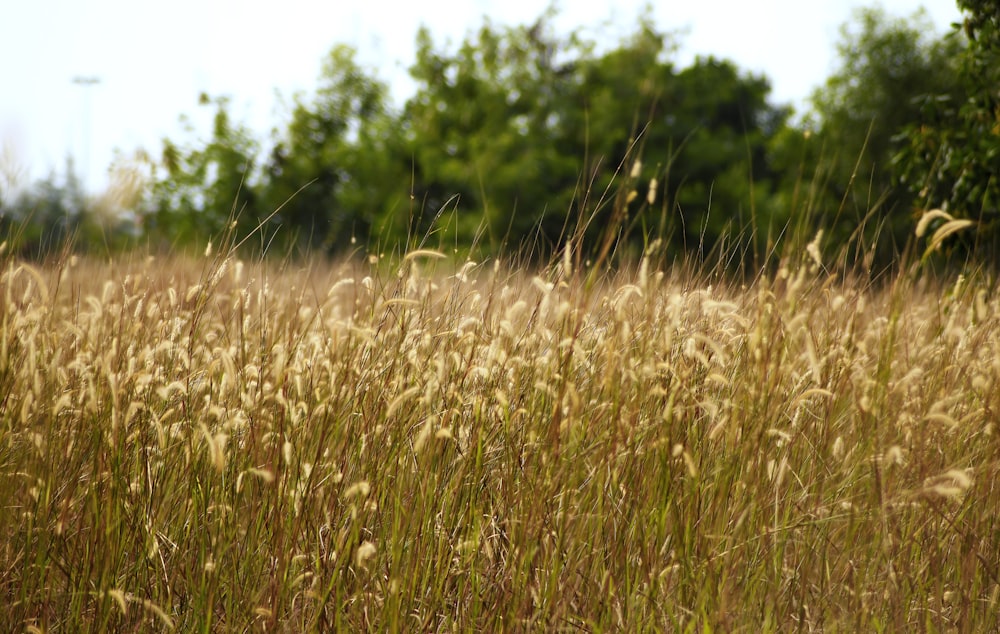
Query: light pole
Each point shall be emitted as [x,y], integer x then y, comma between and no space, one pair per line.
[86,83]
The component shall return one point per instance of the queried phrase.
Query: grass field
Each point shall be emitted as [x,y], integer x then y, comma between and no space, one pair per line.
[211,445]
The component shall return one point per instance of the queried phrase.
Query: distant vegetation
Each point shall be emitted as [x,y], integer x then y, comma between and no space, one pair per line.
[524,138]
[575,339]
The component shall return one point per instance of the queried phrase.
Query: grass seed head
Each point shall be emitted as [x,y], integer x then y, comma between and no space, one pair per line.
[364,552]
[358,489]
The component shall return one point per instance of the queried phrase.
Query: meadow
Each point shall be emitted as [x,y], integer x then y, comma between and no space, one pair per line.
[208,444]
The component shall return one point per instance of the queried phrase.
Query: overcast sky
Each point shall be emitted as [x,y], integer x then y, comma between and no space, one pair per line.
[153,59]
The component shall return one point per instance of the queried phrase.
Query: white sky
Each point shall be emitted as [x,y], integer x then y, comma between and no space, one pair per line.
[153,59]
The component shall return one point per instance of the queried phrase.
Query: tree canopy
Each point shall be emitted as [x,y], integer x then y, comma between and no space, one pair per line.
[520,136]
[887,68]
[952,154]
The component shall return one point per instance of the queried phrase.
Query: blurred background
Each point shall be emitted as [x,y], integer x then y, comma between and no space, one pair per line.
[131,108]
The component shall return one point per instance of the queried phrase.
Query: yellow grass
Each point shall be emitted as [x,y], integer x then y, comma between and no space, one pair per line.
[216,445]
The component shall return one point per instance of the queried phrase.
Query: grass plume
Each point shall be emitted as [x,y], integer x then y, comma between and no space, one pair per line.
[245,446]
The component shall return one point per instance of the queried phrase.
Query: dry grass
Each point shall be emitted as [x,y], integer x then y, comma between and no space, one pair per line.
[210,445]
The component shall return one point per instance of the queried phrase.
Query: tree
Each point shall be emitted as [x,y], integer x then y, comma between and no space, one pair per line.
[205,190]
[337,168]
[487,133]
[518,136]
[886,67]
[45,217]
[720,123]
[525,130]
[951,156]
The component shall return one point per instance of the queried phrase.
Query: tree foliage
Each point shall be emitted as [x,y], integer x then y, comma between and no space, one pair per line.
[524,136]
[206,189]
[952,155]
[517,135]
[41,219]
[335,169]
[886,67]
[528,133]
[487,131]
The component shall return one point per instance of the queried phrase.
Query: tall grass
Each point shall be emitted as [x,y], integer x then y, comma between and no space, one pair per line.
[213,445]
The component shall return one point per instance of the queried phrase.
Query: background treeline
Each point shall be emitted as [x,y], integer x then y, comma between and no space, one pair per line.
[523,138]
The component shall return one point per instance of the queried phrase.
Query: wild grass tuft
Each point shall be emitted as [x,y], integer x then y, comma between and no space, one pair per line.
[210,444]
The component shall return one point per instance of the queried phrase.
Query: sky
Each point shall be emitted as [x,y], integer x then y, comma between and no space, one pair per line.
[151,60]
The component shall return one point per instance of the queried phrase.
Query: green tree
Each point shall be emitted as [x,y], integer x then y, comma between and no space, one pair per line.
[951,156]
[45,217]
[886,66]
[206,189]
[337,169]
[487,133]
[720,123]
[519,128]
[518,136]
